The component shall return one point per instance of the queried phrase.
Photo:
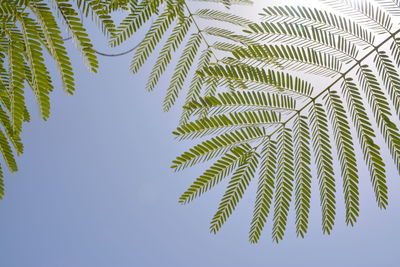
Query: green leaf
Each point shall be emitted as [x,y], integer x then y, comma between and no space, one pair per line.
[242,101]
[40,81]
[265,189]
[170,46]
[54,43]
[324,163]
[217,146]
[381,111]
[366,136]
[284,182]
[237,186]
[302,173]
[181,70]
[78,33]
[213,175]
[291,57]
[347,157]
[244,73]
[225,123]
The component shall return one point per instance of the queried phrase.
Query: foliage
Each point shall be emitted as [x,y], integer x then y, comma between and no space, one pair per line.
[256,76]
[251,97]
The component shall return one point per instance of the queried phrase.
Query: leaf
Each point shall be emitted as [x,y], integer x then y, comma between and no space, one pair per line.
[347,157]
[152,38]
[305,36]
[7,153]
[284,182]
[17,78]
[235,190]
[390,77]
[217,146]
[225,123]
[181,70]
[320,19]
[78,33]
[213,175]
[244,73]
[381,111]
[265,189]
[41,81]
[366,136]
[302,173]
[242,101]
[173,42]
[324,162]
[196,84]
[54,43]
[99,13]
[139,14]
[217,15]
[364,12]
[291,57]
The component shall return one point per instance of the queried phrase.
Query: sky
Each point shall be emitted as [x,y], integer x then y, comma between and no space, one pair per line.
[95,189]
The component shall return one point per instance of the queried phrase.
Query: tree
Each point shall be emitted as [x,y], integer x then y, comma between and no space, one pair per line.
[246,93]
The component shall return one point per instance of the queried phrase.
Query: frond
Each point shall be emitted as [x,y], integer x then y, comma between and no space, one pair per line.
[366,136]
[237,186]
[17,77]
[170,46]
[244,73]
[40,81]
[381,111]
[217,146]
[292,58]
[242,101]
[320,19]
[78,33]
[228,3]
[15,139]
[210,14]
[363,12]
[99,12]
[395,49]
[305,36]
[391,6]
[265,189]
[347,157]
[324,163]
[181,70]
[284,182]
[390,77]
[224,46]
[54,43]
[152,38]
[139,14]
[226,122]
[228,35]
[8,10]
[196,84]
[7,153]
[302,173]
[213,175]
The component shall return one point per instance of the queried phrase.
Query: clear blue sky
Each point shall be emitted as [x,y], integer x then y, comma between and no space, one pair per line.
[95,190]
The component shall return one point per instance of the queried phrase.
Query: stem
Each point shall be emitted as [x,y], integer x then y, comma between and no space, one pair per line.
[200,31]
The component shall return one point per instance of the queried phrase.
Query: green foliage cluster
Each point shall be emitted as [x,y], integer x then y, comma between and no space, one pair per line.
[247,100]
[282,121]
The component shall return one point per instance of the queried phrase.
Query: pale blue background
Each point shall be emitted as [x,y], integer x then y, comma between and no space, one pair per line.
[95,190]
